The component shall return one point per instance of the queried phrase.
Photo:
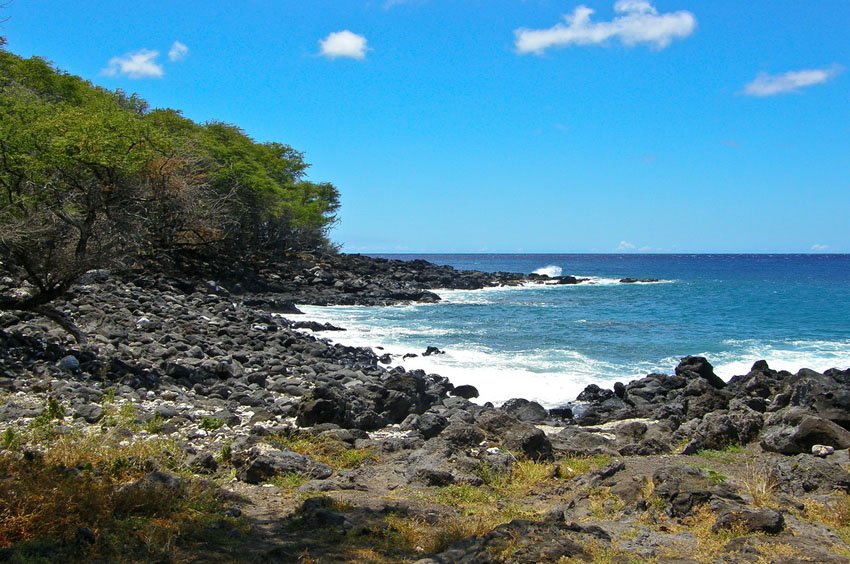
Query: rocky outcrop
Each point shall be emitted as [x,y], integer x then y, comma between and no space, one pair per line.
[212,369]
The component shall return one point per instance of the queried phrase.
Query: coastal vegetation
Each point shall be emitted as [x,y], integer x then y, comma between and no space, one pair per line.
[92,178]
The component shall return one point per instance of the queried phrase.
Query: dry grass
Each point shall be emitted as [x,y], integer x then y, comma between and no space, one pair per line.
[760,482]
[604,504]
[835,514]
[709,544]
[573,466]
[476,510]
[67,482]
[769,553]
[412,535]
[327,450]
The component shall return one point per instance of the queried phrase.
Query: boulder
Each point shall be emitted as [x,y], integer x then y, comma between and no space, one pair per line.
[514,435]
[90,412]
[428,424]
[757,520]
[525,410]
[462,435]
[684,488]
[697,366]
[720,429]
[262,462]
[573,441]
[465,391]
[796,430]
[804,473]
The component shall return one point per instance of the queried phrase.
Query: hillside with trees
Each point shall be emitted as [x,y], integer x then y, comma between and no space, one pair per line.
[92,178]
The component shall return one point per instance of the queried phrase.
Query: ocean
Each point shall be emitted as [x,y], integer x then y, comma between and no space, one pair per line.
[546,343]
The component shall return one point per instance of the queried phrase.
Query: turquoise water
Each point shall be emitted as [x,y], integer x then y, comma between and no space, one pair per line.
[547,342]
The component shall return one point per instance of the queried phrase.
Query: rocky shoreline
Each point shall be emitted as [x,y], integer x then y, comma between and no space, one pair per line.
[669,468]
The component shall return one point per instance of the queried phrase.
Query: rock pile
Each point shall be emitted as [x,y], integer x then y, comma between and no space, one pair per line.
[214,369]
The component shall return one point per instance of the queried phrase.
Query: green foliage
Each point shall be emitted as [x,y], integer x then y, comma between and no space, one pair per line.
[89,176]
[210,423]
[53,410]
[289,481]
[10,439]
[226,453]
[459,495]
[154,425]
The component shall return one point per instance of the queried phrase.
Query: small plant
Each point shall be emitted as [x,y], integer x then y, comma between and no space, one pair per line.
[154,425]
[127,411]
[715,477]
[211,423]
[760,481]
[10,440]
[108,396]
[226,453]
[289,481]
[52,411]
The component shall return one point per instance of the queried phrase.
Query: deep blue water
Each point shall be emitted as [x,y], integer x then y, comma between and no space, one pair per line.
[547,343]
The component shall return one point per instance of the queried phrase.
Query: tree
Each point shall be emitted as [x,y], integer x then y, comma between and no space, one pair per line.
[68,174]
[90,177]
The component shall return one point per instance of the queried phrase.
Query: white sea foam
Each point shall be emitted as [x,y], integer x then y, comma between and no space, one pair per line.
[790,355]
[491,294]
[550,270]
[550,376]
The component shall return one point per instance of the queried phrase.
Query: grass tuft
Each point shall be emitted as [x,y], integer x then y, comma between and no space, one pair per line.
[328,450]
[760,481]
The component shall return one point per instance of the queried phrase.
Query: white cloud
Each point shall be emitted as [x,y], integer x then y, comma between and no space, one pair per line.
[817,248]
[793,81]
[138,64]
[344,44]
[637,22]
[178,52]
[627,247]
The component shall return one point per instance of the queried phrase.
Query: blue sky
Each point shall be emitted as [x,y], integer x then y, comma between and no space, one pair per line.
[509,125]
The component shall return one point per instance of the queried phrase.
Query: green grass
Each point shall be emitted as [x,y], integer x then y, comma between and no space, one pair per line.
[573,466]
[327,450]
[729,455]
[289,481]
[154,425]
[211,423]
[462,495]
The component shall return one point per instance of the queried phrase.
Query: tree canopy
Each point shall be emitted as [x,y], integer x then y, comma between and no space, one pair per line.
[88,176]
